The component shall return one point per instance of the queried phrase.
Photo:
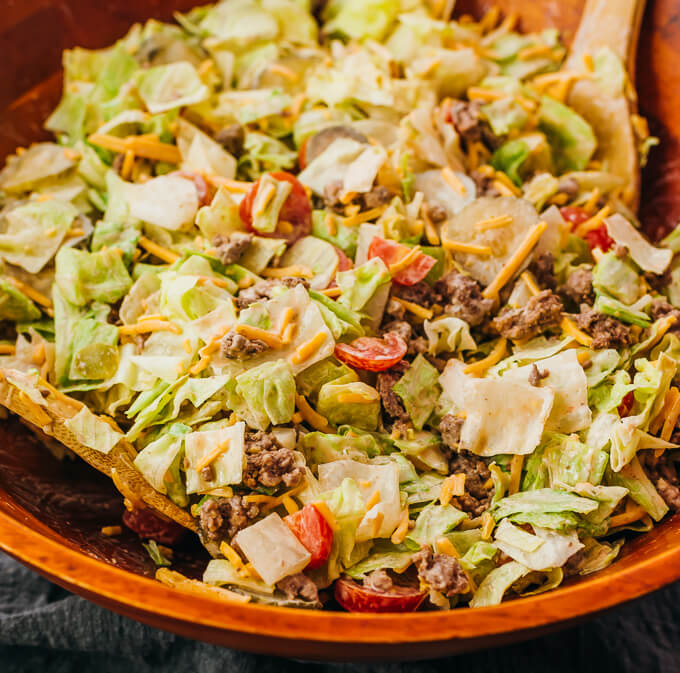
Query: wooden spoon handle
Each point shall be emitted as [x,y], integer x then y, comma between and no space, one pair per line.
[608,23]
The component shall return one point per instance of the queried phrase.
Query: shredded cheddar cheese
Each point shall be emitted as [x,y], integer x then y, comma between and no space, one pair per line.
[496,355]
[284,71]
[31,293]
[158,250]
[200,365]
[307,349]
[326,513]
[672,415]
[111,531]
[485,95]
[315,419]
[296,271]
[231,555]
[453,180]
[494,222]
[535,51]
[405,261]
[629,516]
[445,546]
[594,222]
[332,292]
[149,326]
[147,147]
[416,309]
[377,523]
[430,228]
[590,204]
[516,465]
[402,529]
[373,500]
[290,504]
[453,485]
[469,248]
[488,524]
[128,165]
[505,180]
[588,62]
[272,340]
[512,265]
[8,349]
[230,185]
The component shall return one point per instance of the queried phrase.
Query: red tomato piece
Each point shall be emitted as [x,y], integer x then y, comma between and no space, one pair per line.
[372,354]
[296,210]
[344,262]
[204,191]
[355,597]
[391,252]
[574,215]
[314,532]
[626,404]
[596,238]
[149,525]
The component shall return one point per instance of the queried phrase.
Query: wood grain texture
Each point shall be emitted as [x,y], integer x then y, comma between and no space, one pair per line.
[50,513]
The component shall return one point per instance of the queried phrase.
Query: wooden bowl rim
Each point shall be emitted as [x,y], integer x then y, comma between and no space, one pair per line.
[144,598]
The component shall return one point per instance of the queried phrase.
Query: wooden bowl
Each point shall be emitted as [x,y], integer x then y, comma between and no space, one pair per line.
[51,512]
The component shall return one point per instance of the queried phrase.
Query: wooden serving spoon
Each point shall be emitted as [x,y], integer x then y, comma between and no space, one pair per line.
[614,25]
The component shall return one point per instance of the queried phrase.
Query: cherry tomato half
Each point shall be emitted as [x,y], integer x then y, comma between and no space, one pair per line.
[296,210]
[152,527]
[391,252]
[204,191]
[626,404]
[314,532]
[372,354]
[355,597]
[596,238]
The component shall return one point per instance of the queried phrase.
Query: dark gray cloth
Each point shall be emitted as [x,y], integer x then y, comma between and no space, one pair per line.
[45,629]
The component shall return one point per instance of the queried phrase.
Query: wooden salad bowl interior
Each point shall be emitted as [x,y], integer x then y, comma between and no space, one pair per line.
[52,512]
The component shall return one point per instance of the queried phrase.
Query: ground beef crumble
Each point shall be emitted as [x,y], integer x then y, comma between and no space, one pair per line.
[578,288]
[663,474]
[536,375]
[543,271]
[379,580]
[450,427]
[378,196]
[230,249]
[541,312]
[420,293]
[441,572]
[268,463]
[235,346]
[607,332]
[232,138]
[299,586]
[660,308]
[264,290]
[477,495]
[467,120]
[222,518]
[391,402]
[462,296]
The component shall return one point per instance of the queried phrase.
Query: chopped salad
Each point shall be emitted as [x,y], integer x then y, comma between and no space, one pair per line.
[356,296]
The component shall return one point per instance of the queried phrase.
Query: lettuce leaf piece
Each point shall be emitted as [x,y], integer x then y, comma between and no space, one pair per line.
[570,461]
[497,583]
[554,549]
[220,217]
[166,87]
[201,154]
[329,370]
[353,403]
[15,305]
[478,560]
[597,555]
[562,521]
[359,20]
[150,404]
[542,500]
[263,153]
[34,233]
[504,115]
[343,237]
[84,277]
[616,277]
[227,468]
[609,394]
[92,431]
[269,199]
[347,506]
[269,393]
[448,335]
[633,477]
[509,159]
[39,162]
[156,555]
[419,390]
[360,284]
[608,498]
[618,310]
[260,253]
[159,462]
[343,322]
[647,256]
[94,351]
[168,201]
[570,136]
[432,523]
[395,557]
[220,572]
[109,234]
[324,448]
